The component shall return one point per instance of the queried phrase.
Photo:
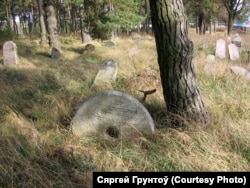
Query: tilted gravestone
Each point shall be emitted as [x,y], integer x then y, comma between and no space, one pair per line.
[220,48]
[114,114]
[241,71]
[55,53]
[106,75]
[233,52]
[10,53]
[237,41]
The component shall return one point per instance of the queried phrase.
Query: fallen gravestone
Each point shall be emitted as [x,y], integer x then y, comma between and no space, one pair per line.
[109,43]
[210,64]
[233,52]
[55,53]
[241,71]
[10,53]
[220,48]
[105,75]
[114,114]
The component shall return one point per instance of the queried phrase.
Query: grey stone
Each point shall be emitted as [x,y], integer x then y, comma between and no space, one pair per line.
[114,114]
[106,75]
[89,47]
[10,56]
[233,52]
[109,43]
[237,41]
[55,53]
[220,48]
[241,71]
[210,64]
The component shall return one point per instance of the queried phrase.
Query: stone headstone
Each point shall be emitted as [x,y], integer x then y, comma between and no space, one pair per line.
[109,43]
[10,53]
[210,64]
[220,48]
[55,53]
[237,41]
[233,52]
[106,75]
[89,47]
[241,71]
[114,114]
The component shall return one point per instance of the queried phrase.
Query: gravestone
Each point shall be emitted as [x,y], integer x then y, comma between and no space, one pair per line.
[241,71]
[233,52]
[237,41]
[89,47]
[220,48]
[114,114]
[10,53]
[55,53]
[109,43]
[210,64]
[105,75]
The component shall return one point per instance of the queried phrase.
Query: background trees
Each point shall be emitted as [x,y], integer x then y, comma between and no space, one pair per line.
[234,8]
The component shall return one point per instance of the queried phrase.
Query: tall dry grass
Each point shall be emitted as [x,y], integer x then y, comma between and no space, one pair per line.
[39,97]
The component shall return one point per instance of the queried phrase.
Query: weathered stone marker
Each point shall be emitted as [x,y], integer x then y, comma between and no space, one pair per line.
[106,75]
[220,48]
[210,64]
[10,53]
[233,52]
[114,114]
[55,53]
[241,71]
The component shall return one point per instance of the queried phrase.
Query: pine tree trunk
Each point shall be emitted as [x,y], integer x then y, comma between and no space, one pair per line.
[52,27]
[175,53]
[230,23]
[41,21]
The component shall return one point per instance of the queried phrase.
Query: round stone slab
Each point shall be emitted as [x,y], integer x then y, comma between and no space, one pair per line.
[113,113]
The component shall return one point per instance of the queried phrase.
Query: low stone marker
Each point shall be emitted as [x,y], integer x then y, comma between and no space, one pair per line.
[220,48]
[114,114]
[89,47]
[241,71]
[210,64]
[10,53]
[233,52]
[55,53]
[106,75]
[109,43]
[237,41]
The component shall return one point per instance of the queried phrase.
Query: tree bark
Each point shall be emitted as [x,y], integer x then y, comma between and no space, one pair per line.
[175,53]
[52,26]
[42,23]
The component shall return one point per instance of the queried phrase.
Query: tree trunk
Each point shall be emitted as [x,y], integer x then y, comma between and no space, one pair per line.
[230,23]
[41,21]
[175,53]
[52,27]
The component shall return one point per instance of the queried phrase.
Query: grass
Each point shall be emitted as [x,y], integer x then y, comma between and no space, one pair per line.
[39,96]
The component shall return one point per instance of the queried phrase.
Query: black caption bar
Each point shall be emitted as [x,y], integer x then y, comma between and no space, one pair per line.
[170,179]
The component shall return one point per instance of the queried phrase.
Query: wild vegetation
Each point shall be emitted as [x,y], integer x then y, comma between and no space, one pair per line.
[39,96]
